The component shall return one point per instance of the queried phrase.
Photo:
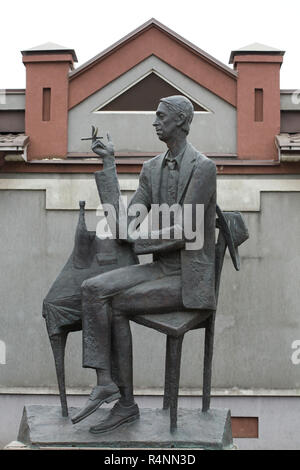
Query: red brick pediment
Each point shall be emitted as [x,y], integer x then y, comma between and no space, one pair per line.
[152,39]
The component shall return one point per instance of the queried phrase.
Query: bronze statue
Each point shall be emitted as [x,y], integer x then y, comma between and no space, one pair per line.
[181,176]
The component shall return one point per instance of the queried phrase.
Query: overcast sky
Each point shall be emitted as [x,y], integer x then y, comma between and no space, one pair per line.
[89,26]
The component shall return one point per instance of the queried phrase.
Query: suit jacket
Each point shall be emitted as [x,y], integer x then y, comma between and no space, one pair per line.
[196,185]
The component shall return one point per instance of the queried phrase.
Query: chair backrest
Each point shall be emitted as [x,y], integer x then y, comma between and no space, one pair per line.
[232,233]
[221,246]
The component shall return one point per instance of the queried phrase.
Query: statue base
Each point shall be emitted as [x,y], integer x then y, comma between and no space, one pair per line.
[44,427]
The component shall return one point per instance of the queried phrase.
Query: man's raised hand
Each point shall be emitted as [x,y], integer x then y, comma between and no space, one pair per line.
[103,150]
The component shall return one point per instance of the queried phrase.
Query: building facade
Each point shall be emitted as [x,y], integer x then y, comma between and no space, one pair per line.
[248,126]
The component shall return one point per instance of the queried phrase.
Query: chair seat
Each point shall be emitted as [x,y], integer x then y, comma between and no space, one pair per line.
[173,323]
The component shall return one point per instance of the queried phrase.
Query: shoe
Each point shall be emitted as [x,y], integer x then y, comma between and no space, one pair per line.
[99,395]
[118,415]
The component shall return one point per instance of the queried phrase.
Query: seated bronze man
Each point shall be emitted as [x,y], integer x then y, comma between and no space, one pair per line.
[178,278]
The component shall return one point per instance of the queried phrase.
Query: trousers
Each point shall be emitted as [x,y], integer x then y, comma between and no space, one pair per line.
[108,302]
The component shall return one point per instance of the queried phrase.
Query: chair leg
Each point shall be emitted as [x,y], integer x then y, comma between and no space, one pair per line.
[58,344]
[174,347]
[166,402]
[207,369]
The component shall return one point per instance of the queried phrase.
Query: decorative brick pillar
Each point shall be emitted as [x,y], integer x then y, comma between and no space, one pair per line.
[47,89]
[258,101]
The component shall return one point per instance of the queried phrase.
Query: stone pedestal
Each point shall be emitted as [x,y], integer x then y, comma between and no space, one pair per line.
[44,427]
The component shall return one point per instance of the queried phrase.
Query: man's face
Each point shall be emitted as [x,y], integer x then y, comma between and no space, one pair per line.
[165,123]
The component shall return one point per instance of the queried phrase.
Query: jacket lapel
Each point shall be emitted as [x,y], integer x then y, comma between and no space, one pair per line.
[156,178]
[186,169]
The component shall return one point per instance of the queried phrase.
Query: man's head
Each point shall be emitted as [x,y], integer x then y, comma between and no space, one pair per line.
[174,114]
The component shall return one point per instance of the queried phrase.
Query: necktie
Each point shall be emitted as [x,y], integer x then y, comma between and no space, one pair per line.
[171,164]
[172,181]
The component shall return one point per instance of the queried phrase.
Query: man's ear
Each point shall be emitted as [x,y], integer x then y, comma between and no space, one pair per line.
[181,117]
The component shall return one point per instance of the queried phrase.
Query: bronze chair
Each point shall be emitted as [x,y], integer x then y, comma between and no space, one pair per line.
[67,318]
[174,325]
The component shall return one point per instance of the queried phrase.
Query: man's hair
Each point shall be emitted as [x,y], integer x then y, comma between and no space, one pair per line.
[181,105]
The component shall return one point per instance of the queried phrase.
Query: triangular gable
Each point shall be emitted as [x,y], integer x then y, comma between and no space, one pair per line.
[144,95]
[152,38]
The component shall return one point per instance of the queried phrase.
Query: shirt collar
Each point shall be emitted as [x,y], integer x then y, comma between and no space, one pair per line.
[178,157]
